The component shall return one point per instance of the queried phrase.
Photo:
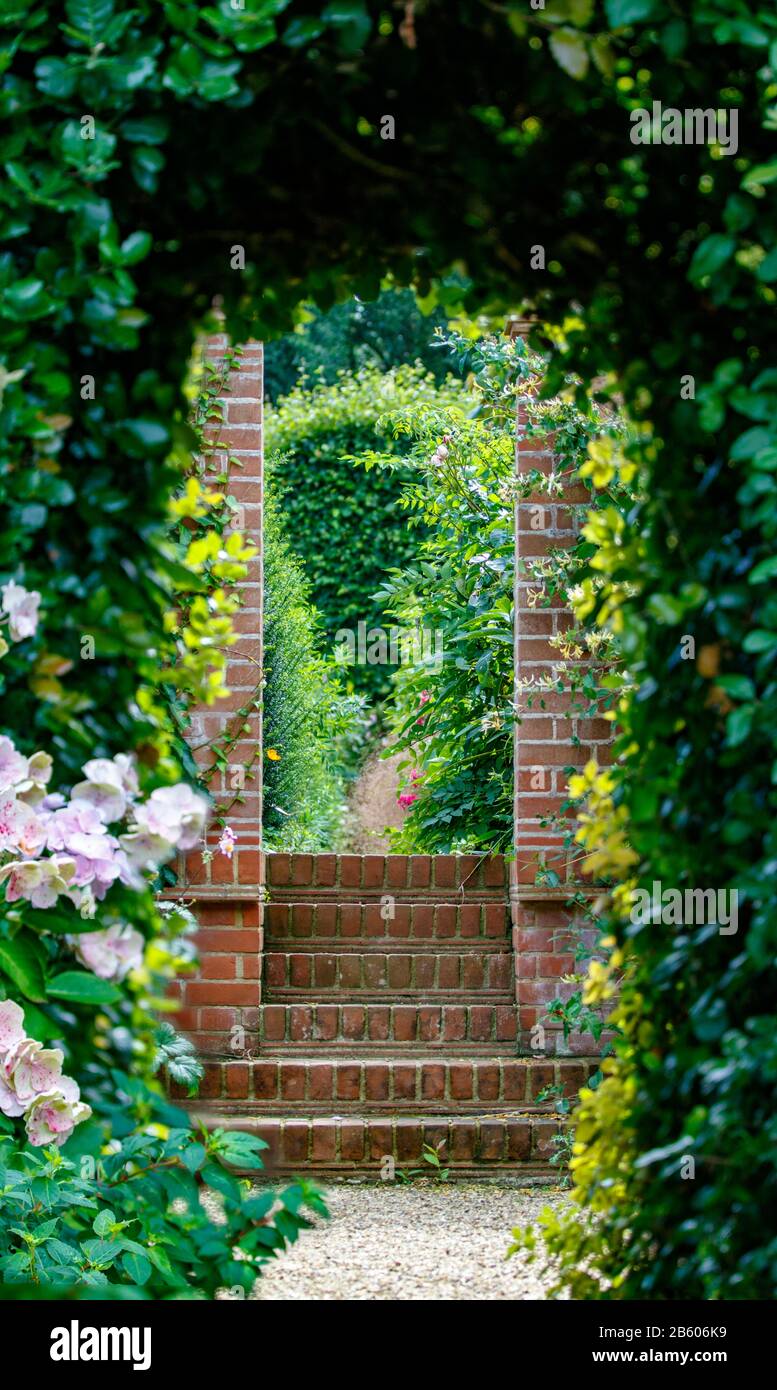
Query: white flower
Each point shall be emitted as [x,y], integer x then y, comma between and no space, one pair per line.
[21,607]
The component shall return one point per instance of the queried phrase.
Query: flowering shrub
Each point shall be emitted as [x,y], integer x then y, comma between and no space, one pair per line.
[103,1218]
[348,544]
[455,720]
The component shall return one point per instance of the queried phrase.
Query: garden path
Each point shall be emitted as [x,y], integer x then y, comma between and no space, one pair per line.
[419,1242]
[373,804]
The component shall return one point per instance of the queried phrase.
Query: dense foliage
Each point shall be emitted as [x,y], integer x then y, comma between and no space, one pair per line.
[260,127]
[453,706]
[344,521]
[383,334]
[313,729]
[128,1221]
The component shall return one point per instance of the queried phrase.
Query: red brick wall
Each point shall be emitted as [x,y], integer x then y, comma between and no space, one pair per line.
[226,894]
[544,749]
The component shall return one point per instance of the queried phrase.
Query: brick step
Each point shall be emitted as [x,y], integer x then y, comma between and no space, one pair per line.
[463,973]
[340,877]
[487,1027]
[484,923]
[385,1082]
[380,1144]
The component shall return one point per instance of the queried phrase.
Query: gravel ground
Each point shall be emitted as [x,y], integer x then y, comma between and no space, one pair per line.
[412,1243]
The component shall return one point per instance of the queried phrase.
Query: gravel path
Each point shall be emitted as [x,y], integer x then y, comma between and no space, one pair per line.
[412,1243]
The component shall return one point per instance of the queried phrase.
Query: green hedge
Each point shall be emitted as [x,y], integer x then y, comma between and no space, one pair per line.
[346,522]
[312,728]
[383,333]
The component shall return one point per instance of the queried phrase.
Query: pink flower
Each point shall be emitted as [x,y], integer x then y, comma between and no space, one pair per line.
[176,814]
[32,1084]
[30,1069]
[424,696]
[11,1025]
[110,954]
[21,607]
[226,844]
[13,765]
[79,830]
[407,798]
[20,828]
[53,1116]
[38,881]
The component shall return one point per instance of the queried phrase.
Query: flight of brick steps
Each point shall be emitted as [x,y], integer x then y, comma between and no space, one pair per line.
[388,1022]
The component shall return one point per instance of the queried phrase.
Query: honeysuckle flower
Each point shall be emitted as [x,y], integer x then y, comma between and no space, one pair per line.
[176,814]
[39,881]
[13,765]
[30,1069]
[11,1024]
[21,608]
[226,844]
[21,830]
[53,1116]
[110,954]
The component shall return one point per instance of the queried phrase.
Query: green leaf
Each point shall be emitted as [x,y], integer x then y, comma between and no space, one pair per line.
[623,12]
[738,724]
[90,17]
[764,570]
[78,987]
[137,1267]
[20,962]
[760,641]
[710,255]
[570,50]
[738,687]
[103,1222]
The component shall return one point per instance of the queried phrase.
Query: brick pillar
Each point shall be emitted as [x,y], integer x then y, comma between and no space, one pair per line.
[543,749]
[226,893]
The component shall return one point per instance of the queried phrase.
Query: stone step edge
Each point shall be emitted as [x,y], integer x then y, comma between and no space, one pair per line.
[301,1143]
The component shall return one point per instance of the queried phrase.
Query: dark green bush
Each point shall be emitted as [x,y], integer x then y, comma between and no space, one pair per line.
[313,727]
[383,333]
[346,522]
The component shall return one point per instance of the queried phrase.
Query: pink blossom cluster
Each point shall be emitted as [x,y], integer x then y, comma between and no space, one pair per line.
[32,1084]
[410,794]
[52,847]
